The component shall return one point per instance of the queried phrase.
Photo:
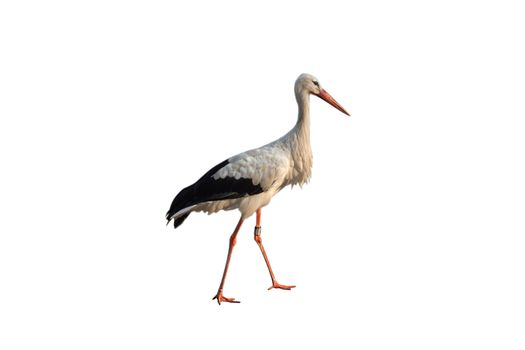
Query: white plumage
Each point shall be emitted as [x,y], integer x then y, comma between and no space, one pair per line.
[271,167]
[249,180]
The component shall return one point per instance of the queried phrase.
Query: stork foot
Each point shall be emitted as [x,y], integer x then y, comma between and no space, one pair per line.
[280,286]
[220,298]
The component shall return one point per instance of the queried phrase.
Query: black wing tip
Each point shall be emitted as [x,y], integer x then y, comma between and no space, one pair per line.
[176,222]
[168,217]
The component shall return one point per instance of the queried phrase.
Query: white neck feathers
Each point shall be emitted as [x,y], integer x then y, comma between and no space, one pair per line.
[298,140]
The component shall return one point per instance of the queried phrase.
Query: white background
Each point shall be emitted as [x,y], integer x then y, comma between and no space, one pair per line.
[410,234]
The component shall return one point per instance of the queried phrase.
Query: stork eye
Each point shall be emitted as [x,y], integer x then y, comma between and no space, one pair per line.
[316,83]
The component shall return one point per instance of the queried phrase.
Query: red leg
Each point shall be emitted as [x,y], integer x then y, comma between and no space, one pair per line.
[233,239]
[257,237]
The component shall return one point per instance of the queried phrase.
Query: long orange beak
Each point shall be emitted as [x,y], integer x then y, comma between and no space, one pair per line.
[326,96]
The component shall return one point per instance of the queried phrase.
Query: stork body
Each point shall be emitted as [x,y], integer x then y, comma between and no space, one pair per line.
[249,180]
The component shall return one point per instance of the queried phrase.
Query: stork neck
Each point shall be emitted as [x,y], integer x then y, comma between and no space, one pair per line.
[298,142]
[301,130]
[303,118]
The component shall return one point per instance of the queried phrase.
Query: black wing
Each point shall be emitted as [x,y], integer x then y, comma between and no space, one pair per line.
[209,189]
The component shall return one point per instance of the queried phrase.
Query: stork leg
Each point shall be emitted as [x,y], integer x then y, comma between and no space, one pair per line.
[233,240]
[257,237]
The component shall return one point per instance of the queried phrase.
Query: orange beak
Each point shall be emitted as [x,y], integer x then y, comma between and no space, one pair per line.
[326,96]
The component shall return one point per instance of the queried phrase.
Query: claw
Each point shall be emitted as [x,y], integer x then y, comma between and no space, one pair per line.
[280,286]
[221,298]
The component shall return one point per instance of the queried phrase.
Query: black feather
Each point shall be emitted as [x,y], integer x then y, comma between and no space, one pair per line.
[209,189]
[178,221]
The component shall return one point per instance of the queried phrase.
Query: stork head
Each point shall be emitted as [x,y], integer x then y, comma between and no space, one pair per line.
[307,83]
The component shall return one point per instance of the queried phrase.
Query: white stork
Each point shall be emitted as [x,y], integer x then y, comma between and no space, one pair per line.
[249,180]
